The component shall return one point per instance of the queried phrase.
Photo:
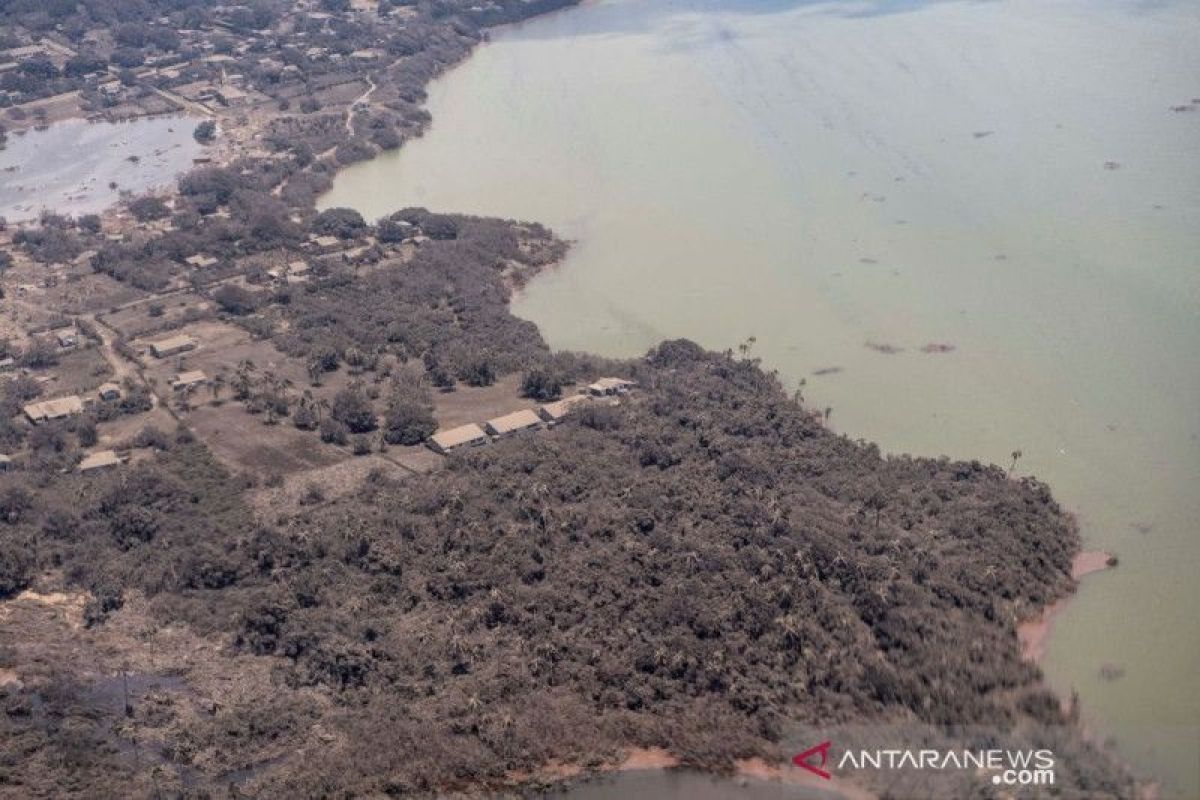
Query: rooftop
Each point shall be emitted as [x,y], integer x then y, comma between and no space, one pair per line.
[188,378]
[54,409]
[611,384]
[555,411]
[456,437]
[516,421]
[98,460]
[174,343]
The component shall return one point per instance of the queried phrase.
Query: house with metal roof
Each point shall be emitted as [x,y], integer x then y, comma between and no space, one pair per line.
[171,346]
[452,439]
[58,408]
[517,421]
[606,387]
[553,413]
[192,379]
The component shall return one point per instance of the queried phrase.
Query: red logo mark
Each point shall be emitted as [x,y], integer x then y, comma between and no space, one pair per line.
[802,760]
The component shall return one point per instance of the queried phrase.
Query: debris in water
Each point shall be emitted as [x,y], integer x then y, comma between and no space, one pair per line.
[1142,527]
[883,347]
[1112,165]
[982,134]
[1111,672]
[827,371]
[938,347]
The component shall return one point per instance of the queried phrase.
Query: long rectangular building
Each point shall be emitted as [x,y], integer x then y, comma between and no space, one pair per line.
[446,441]
[171,346]
[522,420]
[554,412]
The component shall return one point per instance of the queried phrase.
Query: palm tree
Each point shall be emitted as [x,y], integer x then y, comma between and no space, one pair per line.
[1016,456]
[218,383]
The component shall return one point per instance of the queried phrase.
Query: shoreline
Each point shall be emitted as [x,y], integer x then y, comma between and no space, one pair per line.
[1033,634]
[657,759]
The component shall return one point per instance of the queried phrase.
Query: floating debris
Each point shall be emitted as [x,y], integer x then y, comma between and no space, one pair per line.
[1111,672]
[883,347]
[867,261]
[1112,165]
[827,371]
[938,347]
[1142,527]
[982,134]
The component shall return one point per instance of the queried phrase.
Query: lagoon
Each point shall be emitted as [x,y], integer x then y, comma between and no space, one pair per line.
[70,166]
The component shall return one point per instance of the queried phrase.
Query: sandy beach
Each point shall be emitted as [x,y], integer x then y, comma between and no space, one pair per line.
[1034,633]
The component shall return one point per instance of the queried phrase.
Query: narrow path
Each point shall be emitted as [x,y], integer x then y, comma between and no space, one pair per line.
[362,98]
[122,367]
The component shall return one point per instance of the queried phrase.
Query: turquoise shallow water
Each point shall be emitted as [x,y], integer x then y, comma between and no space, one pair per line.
[837,180]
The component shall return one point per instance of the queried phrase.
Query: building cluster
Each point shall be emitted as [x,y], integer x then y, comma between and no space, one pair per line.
[527,419]
[214,61]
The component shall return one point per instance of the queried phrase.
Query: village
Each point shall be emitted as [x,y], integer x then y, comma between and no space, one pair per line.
[120,369]
[87,353]
[202,64]
[173,372]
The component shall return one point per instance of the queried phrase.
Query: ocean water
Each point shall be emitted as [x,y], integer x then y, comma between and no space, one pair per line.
[970,228]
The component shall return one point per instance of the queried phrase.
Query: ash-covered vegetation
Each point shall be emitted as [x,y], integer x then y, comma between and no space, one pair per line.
[698,569]
[448,305]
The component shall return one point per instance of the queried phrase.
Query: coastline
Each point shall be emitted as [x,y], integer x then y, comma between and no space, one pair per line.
[1032,634]
[657,759]
[1032,637]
